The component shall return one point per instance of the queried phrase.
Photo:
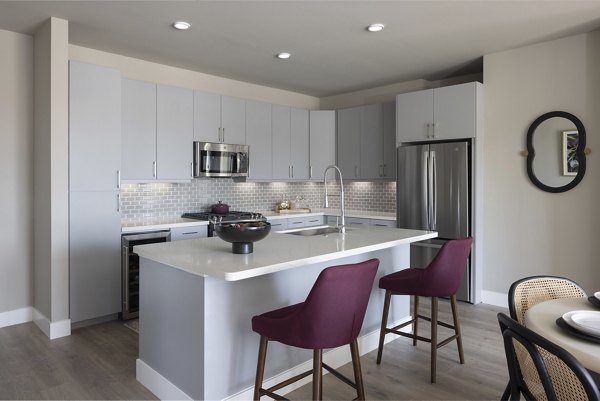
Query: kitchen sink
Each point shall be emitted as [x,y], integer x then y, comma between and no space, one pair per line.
[318,230]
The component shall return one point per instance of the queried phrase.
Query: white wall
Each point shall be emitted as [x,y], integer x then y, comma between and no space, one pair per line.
[16,161]
[159,73]
[528,231]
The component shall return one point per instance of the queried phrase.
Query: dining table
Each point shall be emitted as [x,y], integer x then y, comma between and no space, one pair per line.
[542,318]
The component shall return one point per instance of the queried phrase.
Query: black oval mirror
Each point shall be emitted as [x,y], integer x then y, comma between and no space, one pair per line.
[555,151]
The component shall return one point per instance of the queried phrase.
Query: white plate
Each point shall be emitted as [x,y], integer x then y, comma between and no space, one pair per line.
[597,295]
[584,321]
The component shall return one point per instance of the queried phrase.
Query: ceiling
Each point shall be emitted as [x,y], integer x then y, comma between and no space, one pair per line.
[331,51]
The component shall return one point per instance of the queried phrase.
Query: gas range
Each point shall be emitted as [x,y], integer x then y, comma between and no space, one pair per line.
[231,217]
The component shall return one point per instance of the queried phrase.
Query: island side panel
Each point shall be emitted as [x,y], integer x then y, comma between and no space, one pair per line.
[171,325]
[231,347]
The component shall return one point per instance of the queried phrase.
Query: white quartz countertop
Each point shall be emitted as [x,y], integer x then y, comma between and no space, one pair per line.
[155,224]
[213,257]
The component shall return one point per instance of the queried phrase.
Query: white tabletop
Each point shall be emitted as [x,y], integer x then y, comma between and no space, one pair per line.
[541,318]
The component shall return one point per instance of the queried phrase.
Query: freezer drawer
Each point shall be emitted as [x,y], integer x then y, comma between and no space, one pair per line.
[421,253]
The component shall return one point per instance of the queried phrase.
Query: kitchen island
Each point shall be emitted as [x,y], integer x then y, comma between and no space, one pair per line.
[197,299]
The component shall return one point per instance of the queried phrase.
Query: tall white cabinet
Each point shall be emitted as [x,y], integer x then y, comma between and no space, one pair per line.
[94,171]
[290,127]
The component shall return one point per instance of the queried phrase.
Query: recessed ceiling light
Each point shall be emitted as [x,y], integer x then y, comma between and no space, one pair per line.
[375,27]
[181,25]
[283,55]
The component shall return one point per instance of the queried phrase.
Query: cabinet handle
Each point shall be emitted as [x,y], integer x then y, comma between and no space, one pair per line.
[192,169]
[154,169]
[355,171]
[428,130]
[190,233]
[384,174]
[292,171]
[223,140]
[289,171]
[118,202]
[435,135]
[381,170]
[118,179]
[310,172]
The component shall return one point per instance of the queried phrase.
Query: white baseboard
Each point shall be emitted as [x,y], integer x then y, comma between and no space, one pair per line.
[157,383]
[334,358]
[52,330]
[494,298]
[17,316]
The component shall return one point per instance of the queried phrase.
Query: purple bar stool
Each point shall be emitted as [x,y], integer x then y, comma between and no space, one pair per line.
[440,279]
[331,316]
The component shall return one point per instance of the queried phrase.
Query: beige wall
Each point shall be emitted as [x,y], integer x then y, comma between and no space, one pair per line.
[528,231]
[16,160]
[153,72]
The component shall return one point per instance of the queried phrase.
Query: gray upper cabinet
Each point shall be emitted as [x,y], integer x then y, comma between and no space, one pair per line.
[258,139]
[389,141]
[443,113]
[281,142]
[174,133]
[139,130]
[157,132]
[299,129]
[290,143]
[219,118]
[322,142]
[94,127]
[371,141]
[348,142]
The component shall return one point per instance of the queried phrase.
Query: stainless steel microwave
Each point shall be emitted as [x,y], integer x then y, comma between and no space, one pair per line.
[220,160]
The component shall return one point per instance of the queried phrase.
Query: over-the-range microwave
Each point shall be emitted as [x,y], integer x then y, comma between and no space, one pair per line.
[220,160]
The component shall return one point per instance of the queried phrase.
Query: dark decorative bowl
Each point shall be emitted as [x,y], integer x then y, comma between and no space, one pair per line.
[243,235]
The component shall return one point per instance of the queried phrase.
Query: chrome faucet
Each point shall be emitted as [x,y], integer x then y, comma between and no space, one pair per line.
[341,227]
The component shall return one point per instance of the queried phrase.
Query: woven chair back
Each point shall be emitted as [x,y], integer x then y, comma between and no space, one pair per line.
[530,291]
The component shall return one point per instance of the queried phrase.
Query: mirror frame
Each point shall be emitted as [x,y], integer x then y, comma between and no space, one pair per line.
[580,151]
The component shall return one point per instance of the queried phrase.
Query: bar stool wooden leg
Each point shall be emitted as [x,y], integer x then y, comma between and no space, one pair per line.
[317,374]
[260,366]
[434,315]
[415,317]
[461,355]
[360,390]
[384,318]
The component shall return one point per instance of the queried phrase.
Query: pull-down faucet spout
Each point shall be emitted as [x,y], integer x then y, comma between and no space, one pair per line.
[341,227]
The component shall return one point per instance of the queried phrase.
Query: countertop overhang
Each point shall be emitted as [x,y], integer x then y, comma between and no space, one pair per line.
[212,257]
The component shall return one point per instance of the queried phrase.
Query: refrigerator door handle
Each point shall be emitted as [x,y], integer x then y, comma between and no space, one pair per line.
[425,186]
[433,192]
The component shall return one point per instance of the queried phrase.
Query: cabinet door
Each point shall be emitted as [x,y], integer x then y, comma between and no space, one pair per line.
[371,141]
[296,222]
[348,142]
[315,221]
[281,142]
[207,117]
[278,224]
[382,223]
[454,109]
[183,233]
[139,130]
[258,138]
[94,254]
[322,142]
[174,133]
[299,143]
[94,127]
[356,222]
[414,116]
[233,120]
[389,140]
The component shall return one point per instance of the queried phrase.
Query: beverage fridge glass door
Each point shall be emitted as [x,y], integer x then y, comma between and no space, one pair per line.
[411,187]
[449,198]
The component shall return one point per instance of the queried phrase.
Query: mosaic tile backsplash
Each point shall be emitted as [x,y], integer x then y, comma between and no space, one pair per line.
[165,200]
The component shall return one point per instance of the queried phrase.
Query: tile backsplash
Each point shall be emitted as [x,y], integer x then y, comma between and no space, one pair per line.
[163,200]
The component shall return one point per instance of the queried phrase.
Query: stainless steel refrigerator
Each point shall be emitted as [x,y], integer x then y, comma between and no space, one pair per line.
[434,193]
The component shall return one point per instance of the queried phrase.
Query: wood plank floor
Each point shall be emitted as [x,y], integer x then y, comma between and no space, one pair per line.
[98,362]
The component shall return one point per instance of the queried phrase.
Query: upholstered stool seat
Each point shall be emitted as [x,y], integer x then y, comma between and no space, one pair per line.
[441,278]
[331,316]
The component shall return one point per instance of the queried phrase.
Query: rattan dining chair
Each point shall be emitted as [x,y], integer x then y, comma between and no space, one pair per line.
[530,291]
[540,369]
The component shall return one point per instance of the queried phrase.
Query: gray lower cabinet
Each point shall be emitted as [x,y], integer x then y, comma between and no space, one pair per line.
[278,224]
[189,232]
[94,216]
[361,222]
[296,222]
[94,254]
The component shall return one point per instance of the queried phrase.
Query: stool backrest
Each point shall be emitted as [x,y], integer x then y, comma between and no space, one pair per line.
[335,308]
[540,369]
[446,270]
